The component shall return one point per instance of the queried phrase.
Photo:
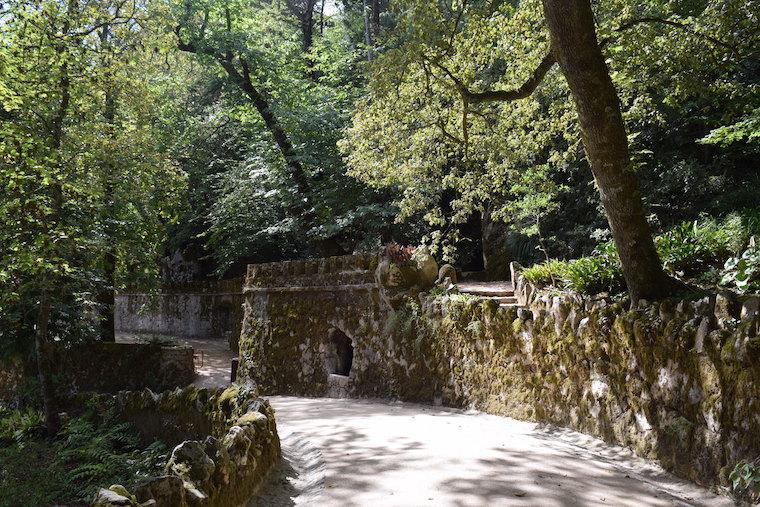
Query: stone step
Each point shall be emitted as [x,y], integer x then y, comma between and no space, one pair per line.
[504,299]
[497,289]
[489,294]
[509,305]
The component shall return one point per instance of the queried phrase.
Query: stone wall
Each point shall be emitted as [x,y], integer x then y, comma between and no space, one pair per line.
[102,367]
[291,309]
[676,381]
[111,367]
[189,310]
[225,445]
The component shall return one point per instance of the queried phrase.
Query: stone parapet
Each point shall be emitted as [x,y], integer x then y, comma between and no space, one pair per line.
[339,270]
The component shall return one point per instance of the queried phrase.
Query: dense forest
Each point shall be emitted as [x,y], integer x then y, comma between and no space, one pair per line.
[604,146]
[235,132]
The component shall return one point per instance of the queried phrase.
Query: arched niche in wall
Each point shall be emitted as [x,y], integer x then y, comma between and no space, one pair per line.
[339,352]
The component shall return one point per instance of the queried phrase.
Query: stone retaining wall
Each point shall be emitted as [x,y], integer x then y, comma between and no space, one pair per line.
[676,381]
[103,367]
[191,310]
[225,446]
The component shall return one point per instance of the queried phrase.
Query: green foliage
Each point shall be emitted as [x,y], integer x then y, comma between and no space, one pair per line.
[600,272]
[693,251]
[523,160]
[91,451]
[19,425]
[743,272]
[79,179]
[745,480]
[546,273]
[693,247]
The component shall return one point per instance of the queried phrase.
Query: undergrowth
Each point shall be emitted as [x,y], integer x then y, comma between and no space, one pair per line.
[92,450]
[706,252]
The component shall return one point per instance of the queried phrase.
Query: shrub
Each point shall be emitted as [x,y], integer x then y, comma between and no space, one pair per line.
[600,272]
[19,425]
[596,273]
[743,272]
[693,247]
[546,273]
[745,480]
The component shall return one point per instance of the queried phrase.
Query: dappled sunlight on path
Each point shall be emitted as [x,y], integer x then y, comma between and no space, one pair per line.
[384,453]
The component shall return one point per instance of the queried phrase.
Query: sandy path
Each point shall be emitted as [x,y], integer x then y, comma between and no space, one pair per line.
[374,453]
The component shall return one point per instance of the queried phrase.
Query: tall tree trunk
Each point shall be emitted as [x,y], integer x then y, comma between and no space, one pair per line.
[106,298]
[322,18]
[44,373]
[367,29]
[575,47]
[307,26]
[375,18]
[41,339]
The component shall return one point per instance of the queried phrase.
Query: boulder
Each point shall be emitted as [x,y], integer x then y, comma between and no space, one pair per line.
[426,266]
[189,460]
[165,491]
[109,498]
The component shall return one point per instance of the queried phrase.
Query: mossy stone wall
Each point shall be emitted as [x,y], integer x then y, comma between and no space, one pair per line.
[676,381]
[225,445]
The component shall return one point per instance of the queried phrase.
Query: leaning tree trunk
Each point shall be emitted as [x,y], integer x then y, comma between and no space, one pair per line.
[367,28]
[574,44]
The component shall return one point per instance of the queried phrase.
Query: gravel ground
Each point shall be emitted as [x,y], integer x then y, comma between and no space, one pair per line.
[376,453]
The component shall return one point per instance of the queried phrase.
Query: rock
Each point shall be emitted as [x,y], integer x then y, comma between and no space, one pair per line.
[165,491]
[524,314]
[449,286]
[723,308]
[190,460]
[447,271]
[750,308]
[426,266]
[108,498]
[388,274]
[702,332]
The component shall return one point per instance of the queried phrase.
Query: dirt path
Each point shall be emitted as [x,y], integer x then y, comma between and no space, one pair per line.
[373,453]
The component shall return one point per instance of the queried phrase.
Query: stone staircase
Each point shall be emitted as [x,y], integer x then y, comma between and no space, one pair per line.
[501,292]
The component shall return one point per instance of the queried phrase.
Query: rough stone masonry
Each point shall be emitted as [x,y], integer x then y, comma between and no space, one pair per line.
[676,381]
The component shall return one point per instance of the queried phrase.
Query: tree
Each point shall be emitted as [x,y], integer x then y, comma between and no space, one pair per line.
[514,145]
[68,198]
[220,45]
[575,48]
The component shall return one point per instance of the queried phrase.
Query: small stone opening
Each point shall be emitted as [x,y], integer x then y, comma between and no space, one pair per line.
[340,353]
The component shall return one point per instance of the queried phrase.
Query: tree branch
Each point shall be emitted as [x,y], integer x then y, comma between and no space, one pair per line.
[669,22]
[523,91]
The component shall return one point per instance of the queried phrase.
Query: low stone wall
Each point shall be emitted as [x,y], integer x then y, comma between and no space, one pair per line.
[191,310]
[226,445]
[676,381]
[112,367]
[102,367]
